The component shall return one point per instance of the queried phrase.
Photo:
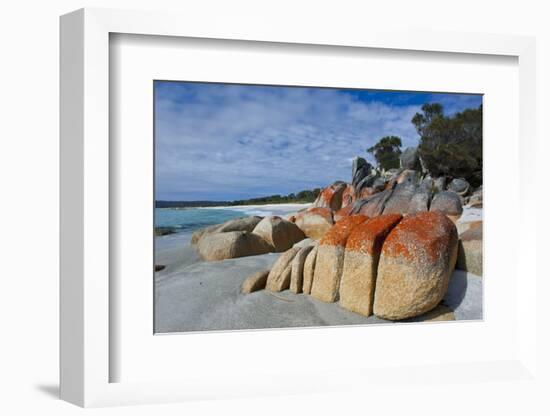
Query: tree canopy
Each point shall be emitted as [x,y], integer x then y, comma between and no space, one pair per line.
[451,145]
[386,152]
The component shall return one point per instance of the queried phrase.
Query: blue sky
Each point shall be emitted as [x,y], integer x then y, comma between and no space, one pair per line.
[225,142]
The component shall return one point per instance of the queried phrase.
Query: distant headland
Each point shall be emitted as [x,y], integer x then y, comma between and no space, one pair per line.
[301,197]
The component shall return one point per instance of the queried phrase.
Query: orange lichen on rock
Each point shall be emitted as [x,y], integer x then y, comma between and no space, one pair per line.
[315,222]
[348,196]
[344,212]
[330,258]
[369,236]
[366,192]
[326,213]
[361,263]
[420,236]
[338,234]
[415,265]
[331,196]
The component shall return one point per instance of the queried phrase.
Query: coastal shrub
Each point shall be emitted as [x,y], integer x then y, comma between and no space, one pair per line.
[451,145]
[387,152]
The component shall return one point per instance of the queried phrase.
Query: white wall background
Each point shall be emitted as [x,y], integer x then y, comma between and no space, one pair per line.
[29,209]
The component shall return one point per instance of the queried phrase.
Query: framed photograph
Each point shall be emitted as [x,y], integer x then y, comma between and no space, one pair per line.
[255,228]
[308,202]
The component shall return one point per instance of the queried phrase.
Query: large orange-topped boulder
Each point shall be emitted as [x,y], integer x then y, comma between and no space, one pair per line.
[416,262]
[314,222]
[279,233]
[331,196]
[361,262]
[330,258]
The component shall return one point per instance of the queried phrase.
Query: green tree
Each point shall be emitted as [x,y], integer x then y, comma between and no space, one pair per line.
[386,152]
[451,146]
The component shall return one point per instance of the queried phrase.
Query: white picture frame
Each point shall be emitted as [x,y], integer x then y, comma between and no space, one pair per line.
[85,211]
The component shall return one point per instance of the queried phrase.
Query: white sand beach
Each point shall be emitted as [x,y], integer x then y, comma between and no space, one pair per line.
[267,209]
[193,295]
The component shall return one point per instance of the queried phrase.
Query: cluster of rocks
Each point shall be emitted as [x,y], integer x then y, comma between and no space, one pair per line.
[248,236]
[397,191]
[393,266]
[384,244]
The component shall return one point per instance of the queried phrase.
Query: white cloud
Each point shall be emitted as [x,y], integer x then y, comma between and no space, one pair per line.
[231,142]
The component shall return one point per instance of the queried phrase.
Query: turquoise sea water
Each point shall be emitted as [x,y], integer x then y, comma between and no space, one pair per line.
[193,218]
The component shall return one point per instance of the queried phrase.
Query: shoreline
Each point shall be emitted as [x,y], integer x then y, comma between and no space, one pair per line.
[253,206]
[266,210]
[225,213]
